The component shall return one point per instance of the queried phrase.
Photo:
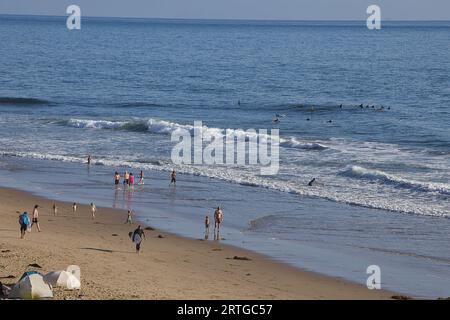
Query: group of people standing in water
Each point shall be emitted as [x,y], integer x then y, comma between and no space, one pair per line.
[128,178]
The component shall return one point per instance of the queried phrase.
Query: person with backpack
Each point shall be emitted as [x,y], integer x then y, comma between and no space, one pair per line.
[24,221]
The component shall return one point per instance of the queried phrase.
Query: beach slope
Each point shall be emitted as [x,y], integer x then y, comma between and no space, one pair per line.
[169,267]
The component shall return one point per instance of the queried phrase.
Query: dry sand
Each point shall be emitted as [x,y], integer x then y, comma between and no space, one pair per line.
[169,267]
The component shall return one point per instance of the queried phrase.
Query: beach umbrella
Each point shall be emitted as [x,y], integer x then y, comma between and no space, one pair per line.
[31,286]
[62,279]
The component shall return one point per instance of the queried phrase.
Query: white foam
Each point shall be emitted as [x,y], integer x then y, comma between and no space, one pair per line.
[383,177]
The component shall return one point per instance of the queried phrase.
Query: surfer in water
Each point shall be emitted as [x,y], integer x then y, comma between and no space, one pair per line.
[311,182]
[89,160]
[137,237]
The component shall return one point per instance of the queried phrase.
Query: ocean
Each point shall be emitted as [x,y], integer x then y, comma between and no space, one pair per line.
[118,88]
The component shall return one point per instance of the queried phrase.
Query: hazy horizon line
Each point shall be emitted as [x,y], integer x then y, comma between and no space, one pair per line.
[221,19]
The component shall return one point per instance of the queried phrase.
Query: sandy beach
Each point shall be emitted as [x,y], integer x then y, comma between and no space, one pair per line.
[169,267]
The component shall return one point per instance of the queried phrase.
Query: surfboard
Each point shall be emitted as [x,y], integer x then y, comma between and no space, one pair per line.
[137,238]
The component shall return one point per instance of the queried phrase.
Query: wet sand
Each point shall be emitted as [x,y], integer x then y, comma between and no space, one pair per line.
[169,266]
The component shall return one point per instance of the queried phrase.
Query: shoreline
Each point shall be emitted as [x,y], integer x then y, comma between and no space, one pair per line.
[170,266]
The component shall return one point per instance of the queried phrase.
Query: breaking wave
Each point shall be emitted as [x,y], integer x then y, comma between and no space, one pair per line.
[386,178]
[166,127]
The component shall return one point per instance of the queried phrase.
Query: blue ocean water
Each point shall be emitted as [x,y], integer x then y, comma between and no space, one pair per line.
[118,88]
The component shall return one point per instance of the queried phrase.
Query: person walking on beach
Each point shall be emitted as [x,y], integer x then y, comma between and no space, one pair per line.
[218,218]
[141,178]
[93,210]
[24,222]
[35,218]
[126,178]
[116,178]
[55,209]
[74,208]
[137,237]
[206,227]
[173,175]
[129,220]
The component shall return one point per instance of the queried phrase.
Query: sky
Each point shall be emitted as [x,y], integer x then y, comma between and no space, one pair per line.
[237,9]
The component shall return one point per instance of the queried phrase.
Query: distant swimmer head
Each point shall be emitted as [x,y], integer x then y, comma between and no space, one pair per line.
[307,119]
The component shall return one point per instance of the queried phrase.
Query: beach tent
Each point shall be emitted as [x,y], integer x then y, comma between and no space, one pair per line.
[31,286]
[69,279]
[75,270]
[62,279]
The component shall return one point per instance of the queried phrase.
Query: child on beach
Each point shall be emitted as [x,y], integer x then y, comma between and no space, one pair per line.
[129,221]
[55,209]
[93,210]
[74,208]
[35,218]
[206,227]
[24,222]
[131,180]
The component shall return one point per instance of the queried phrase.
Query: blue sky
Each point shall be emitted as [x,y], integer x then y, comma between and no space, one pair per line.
[238,9]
